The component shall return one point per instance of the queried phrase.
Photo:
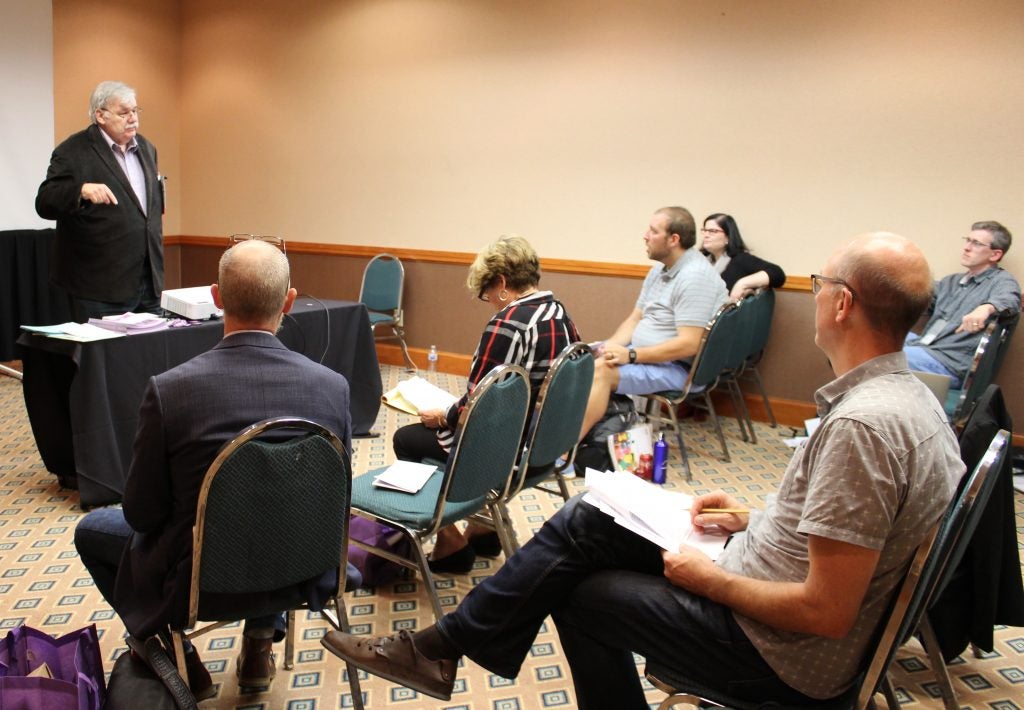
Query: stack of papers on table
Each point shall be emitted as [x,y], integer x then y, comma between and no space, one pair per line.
[130,323]
[656,514]
[405,476]
[416,394]
[78,332]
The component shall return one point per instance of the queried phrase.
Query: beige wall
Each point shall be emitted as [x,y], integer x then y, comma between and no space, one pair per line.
[438,124]
[134,41]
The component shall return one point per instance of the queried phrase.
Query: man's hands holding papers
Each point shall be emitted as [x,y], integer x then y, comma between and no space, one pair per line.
[690,568]
[650,511]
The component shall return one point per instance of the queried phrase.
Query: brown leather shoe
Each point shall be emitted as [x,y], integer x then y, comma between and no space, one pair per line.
[255,667]
[395,658]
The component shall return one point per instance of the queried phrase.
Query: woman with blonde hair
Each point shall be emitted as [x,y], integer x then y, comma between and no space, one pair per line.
[530,327]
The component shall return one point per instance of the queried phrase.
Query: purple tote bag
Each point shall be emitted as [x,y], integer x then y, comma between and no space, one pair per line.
[72,678]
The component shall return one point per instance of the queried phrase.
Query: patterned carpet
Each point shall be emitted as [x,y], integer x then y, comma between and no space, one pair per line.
[43,584]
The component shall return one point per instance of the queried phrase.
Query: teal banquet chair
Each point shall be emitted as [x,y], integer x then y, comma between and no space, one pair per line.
[301,471]
[552,434]
[762,304]
[713,353]
[988,357]
[940,549]
[381,293]
[484,452]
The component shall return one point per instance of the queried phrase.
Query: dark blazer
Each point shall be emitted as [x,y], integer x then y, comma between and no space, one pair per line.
[101,250]
[187,414]
[986,588]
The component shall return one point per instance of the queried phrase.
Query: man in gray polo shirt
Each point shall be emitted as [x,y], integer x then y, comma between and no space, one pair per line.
[963,304]
[789,608]
[650,350]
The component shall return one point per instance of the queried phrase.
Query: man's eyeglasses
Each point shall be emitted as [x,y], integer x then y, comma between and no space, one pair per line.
[269,239]
[817,281]
[124,114]
[975,244]
[712,231]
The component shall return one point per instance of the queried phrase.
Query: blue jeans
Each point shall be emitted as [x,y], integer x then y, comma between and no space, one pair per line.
[101,538]
[919,358]
[606,590]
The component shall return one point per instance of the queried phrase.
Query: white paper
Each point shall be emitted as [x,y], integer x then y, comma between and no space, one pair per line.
[424,395]
[79,332]
[405,476]
[656,514]
[811,425]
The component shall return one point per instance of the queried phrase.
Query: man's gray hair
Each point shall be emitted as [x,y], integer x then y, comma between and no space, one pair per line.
[104,92]
[1001,237]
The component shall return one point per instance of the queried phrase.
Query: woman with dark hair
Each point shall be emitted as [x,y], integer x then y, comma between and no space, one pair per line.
[530,327]
[742,271]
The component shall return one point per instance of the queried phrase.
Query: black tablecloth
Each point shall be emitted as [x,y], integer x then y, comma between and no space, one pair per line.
[83,398]
[26,296]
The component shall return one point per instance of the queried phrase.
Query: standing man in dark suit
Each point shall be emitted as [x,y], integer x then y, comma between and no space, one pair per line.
[141,557]
[104,190]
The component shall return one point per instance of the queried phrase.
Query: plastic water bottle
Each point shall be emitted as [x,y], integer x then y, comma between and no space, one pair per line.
[660,459]
[432,359]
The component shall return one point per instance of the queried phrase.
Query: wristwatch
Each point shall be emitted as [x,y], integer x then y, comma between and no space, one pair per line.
[632,356]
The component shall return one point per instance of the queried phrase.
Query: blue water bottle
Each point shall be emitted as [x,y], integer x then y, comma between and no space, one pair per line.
[660,459]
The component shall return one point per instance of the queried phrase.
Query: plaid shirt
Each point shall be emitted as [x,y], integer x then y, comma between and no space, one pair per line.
[529,332]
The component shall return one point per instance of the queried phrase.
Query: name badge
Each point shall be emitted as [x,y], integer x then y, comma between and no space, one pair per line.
[929,337]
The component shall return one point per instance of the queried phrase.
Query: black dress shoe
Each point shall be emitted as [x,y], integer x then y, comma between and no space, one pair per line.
[397,659]
[486,545]
[459,562]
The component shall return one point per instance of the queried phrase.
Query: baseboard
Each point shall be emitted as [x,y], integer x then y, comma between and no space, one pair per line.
[788,412]
[449,363]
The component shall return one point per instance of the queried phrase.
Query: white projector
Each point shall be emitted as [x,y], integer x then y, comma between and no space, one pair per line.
[194,303]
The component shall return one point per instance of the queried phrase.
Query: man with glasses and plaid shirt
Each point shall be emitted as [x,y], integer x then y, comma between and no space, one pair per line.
[104,190]
[964,303]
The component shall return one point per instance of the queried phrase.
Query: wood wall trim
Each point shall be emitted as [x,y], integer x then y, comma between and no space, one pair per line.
[788,412]
[430,256]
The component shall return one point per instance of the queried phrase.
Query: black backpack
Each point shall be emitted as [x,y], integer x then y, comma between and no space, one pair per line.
[593,449]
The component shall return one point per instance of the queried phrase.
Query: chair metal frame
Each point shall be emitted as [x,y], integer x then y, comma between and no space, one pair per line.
[486,472]
[700,377]
[338,618]
[548,439]
[385,305]
[762,304]
[927,569]
[988,357]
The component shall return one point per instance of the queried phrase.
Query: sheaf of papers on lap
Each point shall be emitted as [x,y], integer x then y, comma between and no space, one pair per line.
[405,476]
[656,514]
[416,394]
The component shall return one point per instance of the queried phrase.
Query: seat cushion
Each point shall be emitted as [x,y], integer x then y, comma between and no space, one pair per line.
[413,510]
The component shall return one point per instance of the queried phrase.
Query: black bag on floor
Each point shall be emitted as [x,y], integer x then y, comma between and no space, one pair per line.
[134,685]
[593,449]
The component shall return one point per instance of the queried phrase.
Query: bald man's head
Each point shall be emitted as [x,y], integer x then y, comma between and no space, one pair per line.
[253,280]
[891,278]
